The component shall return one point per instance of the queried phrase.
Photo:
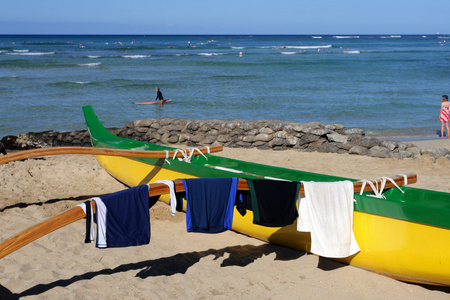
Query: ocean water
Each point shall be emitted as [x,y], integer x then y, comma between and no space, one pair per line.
[391,86]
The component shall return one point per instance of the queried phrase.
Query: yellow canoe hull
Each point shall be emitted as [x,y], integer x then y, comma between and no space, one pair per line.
[396,248]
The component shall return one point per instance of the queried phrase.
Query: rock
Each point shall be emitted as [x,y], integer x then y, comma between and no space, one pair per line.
[252,132]
[197,138]
[206,127]
[306,139]
[277,142]
[330,127]
[328,148]
[231,125]
[248,138]
[311,126]
[266,130]
[315,145]
[279,148]
[209,139]
[369,142]
[320,131]
[213,132]
[223,138]
[141,129]
[378,151]
[391,145]
[276,126]
[339,127]
[288,128]
[144,123]
[260,144]
[155,135]
[193,125]
[338,138]
[165,121]
[345,146]
[247,126]
[401,154]
[403,146]
[237,131]
[184,137]
[263,137]
[244,144]
[297,127]
[292,141]
[359,150]
[155,125]
[435,151]
[281,134]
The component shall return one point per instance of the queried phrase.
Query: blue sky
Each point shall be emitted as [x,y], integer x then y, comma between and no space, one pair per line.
[224,17]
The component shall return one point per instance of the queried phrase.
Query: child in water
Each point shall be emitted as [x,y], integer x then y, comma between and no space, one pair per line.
[444,115]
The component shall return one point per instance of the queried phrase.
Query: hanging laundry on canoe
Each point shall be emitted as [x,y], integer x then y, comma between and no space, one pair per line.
[274,201]
[90,227]
[123,218]
[210,204]
[327,212]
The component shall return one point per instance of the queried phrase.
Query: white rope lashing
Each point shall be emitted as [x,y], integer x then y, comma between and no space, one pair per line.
[187,154]
[378,191]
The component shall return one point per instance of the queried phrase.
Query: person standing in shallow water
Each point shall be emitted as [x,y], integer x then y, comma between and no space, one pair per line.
[159,96]
[444,115]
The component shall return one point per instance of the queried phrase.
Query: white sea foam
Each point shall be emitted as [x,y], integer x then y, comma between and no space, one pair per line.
[210,54]
[237,47]
[136,56]
[316,37]
[81,82]
[21,51]
[94,56]
[309,47]
[289,53]
[90,64]
[352,52]
[346,36]
[396,36]
[31,53]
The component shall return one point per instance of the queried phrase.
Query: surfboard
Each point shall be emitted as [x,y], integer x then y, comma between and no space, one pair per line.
[151,102]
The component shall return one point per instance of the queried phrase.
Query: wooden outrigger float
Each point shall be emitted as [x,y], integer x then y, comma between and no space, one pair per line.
[104,151]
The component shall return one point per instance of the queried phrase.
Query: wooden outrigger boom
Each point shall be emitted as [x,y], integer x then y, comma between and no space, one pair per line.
[104,151]
[29,235]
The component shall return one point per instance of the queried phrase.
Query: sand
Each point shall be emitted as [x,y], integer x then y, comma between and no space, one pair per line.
[177,264]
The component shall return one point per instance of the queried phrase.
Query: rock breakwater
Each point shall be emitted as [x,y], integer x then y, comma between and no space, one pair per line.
[265,134]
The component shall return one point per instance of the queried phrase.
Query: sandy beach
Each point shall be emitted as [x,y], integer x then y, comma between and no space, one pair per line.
[177,264]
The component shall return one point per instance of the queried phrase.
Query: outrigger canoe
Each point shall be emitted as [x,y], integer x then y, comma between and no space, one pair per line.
[405,236]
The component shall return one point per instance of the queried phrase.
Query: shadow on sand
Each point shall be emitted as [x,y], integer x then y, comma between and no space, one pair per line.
[240,256]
